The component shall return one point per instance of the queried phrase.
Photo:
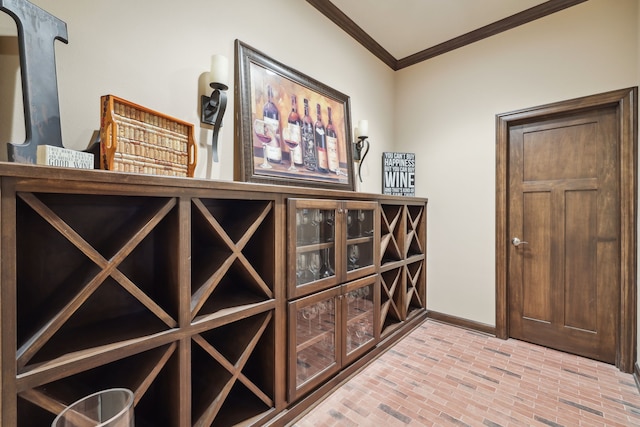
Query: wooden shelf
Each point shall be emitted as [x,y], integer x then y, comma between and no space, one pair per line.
[177,289]
[403,263]
[226,368]
[136,288]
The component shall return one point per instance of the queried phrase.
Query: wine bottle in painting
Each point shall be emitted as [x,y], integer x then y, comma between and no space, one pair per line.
[321,142]
[333,159]
[271,117]
[294,126]
[309,155]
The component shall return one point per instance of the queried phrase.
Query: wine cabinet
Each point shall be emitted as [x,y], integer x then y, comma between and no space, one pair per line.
[333,258]
[328,330]
[189,293]
[167,291]
[330,242]
[403,289]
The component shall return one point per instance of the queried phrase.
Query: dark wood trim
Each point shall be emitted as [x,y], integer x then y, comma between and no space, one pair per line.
[334,14]
[626,103]
[338,17]
[636,375]
[487,31]
[82,181]
[628,113]
[462,323]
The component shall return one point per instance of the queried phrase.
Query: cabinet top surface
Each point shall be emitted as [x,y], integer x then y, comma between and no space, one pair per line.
[87,176]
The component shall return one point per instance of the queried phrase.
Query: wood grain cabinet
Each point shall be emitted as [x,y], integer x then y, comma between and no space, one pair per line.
[330,329]
[403,255]
[330,242]
[167,291]
[189,293]
[333,257]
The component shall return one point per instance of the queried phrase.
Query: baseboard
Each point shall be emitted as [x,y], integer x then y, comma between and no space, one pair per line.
[636,375]
[462,323]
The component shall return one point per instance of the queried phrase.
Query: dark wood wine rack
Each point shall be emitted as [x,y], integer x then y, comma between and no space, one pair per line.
[172,287]
[403,254]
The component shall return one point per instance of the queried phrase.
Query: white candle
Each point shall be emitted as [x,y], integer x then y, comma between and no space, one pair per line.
[363,128]
[219,69]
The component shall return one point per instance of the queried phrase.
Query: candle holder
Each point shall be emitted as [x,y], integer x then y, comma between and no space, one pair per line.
[212,111]
[358,155]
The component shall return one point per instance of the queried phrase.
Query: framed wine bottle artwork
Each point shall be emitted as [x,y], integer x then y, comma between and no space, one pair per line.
[291,129]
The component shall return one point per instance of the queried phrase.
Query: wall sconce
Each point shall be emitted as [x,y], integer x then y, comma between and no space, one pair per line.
[214,106]
[358,155]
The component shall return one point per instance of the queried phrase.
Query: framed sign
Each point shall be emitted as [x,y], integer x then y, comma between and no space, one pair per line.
[399,174]
[292,129]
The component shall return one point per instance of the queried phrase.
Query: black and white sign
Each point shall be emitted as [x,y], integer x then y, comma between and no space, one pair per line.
[399,174]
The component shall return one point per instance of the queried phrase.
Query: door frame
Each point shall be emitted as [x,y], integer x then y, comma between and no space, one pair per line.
[625,102]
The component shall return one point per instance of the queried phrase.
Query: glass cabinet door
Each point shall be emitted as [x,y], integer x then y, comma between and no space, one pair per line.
[313,340]
[312,246]
[330,242]
[361,236]
[360,305]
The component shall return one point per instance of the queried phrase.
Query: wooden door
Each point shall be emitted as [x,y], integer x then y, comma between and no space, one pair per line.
[564,281]
[566,184]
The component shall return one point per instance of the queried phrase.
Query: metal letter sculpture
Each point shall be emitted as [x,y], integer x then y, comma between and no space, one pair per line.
[37,32]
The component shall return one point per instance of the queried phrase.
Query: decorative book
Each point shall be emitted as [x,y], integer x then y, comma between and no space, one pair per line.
[50,155]
[139,140]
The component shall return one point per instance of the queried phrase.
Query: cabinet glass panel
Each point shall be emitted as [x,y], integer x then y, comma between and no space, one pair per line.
[315,245]
[316,339]
[315,265]
[360,223]
[360,238]
[360,317]
[315,226]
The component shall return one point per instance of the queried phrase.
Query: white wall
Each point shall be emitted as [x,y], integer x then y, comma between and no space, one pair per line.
[446,111]
[153,52]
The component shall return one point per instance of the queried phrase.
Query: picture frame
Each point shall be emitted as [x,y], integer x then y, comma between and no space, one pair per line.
[275,145]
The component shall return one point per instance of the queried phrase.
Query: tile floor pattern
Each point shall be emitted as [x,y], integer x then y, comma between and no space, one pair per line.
[441,375]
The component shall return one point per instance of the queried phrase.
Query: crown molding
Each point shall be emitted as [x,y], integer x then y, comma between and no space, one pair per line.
[338,17]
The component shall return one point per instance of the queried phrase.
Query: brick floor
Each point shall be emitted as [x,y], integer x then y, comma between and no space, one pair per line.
[440,375]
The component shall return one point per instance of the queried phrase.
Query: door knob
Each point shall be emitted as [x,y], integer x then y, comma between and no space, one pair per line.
[517,242]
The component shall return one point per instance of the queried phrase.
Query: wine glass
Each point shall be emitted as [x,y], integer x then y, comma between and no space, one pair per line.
[314,265]
[316,220]
[309,313]
[292,144]
[319,219]
[354,256]
[349,225]
[322,308]
[304,226]
[362,330]
[326,270]
[361,216]
[299,231]
[351,297]
[301,268]
[329,219]
[365,294]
